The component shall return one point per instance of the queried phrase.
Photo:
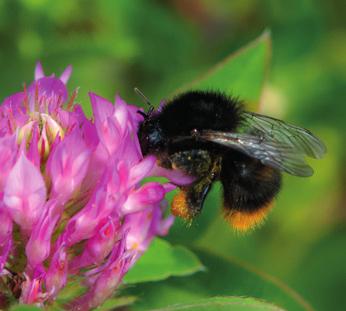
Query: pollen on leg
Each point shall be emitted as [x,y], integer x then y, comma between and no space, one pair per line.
[180,206]
[245,220]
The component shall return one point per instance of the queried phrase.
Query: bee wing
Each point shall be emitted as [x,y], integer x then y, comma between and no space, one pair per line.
[300,139]
[278,155]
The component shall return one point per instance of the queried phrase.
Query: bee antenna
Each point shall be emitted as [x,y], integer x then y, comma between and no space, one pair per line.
[143,114]
[145,99]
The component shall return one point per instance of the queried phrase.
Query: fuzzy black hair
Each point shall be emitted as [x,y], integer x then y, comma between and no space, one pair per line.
[200,110]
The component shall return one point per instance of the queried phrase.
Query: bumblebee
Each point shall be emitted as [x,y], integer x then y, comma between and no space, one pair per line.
[210,136]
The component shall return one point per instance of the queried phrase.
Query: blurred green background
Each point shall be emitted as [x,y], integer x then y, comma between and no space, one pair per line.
[160,45]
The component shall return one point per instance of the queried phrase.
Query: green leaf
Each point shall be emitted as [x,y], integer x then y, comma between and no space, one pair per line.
[24,308]
[224,303]
[117,302]
[241,74]
[224,276]
[161,261]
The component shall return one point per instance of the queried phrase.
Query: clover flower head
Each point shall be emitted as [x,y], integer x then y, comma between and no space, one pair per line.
[71,198]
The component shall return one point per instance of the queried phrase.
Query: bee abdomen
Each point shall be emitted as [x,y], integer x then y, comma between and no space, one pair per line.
[249,190]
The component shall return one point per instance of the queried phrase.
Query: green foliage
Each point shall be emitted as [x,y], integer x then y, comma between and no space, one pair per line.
[117,302]
[224,303]
[161,261]
[223,276]
[241,73]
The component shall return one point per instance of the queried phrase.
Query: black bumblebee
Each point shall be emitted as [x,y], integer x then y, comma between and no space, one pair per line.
[210,136]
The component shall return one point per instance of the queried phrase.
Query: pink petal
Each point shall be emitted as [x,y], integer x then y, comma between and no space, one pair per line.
[68,164]
[121,112]
[6,224]
[105,281]
[150,193]
[138,234]
[5,236]
[8,153]
[65,76]
[164,225]
[175,176]
[160,225]
[5,249]
[110,135]
[103,242]
[100,245]
[88,127]
[169,187]
[141,170]
[132,150]
[83,225]
[48,88]
[39,73]
[123,174]
[56,276]
[32,291]
[102,108]
[25,193]
[39,245]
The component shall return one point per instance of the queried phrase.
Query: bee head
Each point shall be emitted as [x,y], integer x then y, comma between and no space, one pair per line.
[150,135]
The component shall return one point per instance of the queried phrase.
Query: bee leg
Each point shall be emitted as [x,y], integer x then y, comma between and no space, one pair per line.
[188,203]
